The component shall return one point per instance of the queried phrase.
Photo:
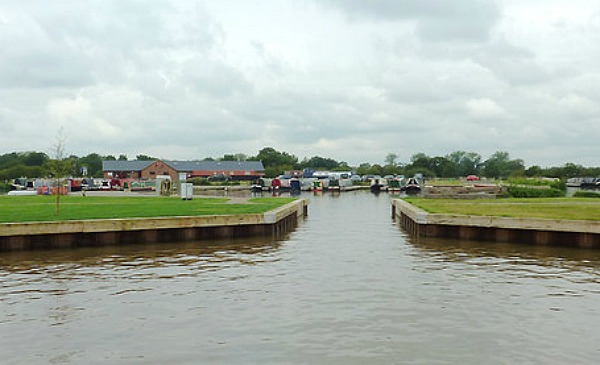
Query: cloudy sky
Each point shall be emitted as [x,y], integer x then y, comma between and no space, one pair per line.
[351,80]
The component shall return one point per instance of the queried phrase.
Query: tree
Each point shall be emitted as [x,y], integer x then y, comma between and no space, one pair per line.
[93,163]
[499,166]
[141,157]
[275,162]
[234,157]
[35,159]
[122,157]
[318,162]
[271,157]
[534,171]
[465,163]
[363,168]
[572,170]
[59,166]
[9,160]
[421,163]
[390,159]
[442,167]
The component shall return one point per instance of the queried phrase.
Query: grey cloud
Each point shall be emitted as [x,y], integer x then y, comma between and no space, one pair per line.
[188,81]
[275,65]
[514,65]
[214,79]
[515,71]
[78,43]
[43,69]
[465,20]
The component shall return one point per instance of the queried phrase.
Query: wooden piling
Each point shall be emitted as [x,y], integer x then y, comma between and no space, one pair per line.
[418,223]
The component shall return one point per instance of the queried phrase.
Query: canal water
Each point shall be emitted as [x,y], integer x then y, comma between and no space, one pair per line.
[347,286]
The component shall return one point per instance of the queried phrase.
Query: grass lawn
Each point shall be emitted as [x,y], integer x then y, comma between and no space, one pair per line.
[546,208]
[43,208]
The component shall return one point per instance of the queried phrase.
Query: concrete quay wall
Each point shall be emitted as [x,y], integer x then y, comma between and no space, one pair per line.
[575,233]
[98,232]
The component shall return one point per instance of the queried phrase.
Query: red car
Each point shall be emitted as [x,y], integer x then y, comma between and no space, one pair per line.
[472,178]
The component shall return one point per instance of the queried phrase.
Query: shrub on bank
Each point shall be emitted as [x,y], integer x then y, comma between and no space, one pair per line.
[551,183]
[202,181]
[525,192]
[586,194]
[199,181]
[4,186]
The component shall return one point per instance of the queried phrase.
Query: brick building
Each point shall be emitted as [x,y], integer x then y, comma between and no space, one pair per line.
[236,170]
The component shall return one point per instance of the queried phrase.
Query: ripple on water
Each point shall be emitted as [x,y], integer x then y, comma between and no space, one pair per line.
[347,286]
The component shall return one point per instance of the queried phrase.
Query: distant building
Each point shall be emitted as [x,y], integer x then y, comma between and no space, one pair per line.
[236,170]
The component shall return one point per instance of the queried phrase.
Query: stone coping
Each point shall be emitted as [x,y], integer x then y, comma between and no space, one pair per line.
[420,216]
[151,223]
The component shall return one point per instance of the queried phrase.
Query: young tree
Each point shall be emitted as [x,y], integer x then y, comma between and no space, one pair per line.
[59,165]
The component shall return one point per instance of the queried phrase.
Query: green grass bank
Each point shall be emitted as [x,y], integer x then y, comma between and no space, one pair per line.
[542,208]
[19,209]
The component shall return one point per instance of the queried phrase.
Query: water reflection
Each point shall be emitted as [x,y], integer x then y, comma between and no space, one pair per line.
[141,256]
[506,253]
[26,276]
[348,286]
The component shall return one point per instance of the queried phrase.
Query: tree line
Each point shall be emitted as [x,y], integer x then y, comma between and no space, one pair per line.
[499,165]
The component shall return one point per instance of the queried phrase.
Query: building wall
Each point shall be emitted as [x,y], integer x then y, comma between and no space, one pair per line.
[122,174]
[235,174]
[159,168]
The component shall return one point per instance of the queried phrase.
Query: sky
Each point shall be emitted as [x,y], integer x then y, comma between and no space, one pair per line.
[350,80]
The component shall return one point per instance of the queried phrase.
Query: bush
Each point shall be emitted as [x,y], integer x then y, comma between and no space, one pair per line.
[586,194]
[202,181]
[199,181]
[523,192]
[554,184]
[4,186]
[559,185]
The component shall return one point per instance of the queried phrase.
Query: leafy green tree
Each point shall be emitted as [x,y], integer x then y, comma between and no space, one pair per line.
[234,157]
[421,163]
[142,157]
[390,170]
[271,157]
[122,157]
[9,159]
[412,171]
[363,168]
[534,171]
[318,162]
[390,159]
[465,163]
[20,170]
[572,170]
[275,162]
[500,166]
[93,163]
[375,170]
[34,159]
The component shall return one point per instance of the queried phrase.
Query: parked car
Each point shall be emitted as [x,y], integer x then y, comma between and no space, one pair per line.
[218,177]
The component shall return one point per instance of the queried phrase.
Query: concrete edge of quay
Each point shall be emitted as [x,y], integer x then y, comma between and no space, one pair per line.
[419,223]
[98,232]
